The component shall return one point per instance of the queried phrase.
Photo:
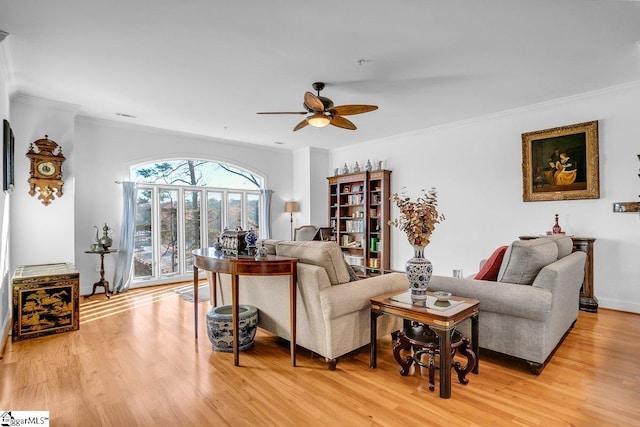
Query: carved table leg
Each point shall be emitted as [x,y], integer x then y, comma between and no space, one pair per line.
[430,350]
[463,349]
[402,343]
[432,370]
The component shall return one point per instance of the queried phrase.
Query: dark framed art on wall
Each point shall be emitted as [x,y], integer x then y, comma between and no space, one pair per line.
[8,157]
[561,163]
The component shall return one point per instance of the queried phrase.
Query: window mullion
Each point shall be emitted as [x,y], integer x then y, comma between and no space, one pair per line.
[181,244]
[155,229]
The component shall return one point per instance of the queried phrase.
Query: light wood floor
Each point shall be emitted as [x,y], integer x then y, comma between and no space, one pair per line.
[134,362]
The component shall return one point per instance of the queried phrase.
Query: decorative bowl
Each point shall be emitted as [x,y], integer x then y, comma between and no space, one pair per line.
[442,295]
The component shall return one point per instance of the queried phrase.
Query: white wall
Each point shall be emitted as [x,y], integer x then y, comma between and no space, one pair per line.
[42,234]
[104,152]
[476,167]
[301,166]
[310,186]
[320,162]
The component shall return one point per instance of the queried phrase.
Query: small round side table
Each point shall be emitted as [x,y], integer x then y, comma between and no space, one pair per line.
[102,282]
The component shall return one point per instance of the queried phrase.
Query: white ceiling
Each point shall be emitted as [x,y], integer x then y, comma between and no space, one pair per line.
[207,66]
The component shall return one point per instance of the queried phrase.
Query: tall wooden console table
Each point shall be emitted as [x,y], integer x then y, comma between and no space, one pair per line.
[273,265]
[588,301]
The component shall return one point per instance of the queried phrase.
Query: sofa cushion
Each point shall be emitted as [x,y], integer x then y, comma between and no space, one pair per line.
[564,243]
[503,298]
[491,267]
[525,258]
[323,254]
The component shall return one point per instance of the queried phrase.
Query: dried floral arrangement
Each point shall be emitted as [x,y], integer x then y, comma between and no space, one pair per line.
[417,218]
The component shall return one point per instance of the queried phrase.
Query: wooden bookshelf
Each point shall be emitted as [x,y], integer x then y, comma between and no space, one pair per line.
[359,215]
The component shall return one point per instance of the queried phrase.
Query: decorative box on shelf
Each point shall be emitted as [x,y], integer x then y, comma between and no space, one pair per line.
[45,300]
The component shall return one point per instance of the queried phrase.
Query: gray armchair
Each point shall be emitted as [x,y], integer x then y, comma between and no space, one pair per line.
[305,233]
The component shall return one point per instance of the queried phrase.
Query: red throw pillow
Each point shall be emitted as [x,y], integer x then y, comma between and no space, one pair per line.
[490,269]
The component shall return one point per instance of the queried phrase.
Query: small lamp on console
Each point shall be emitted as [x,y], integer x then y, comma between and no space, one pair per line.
[291,207]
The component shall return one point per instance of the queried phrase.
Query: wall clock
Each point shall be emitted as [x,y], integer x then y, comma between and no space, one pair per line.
[46,169]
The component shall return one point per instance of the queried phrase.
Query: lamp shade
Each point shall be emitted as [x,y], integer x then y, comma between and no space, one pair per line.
[291,207]
[318,120]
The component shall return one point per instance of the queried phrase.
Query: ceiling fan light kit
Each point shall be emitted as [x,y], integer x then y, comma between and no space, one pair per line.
[323,112]
[318,120]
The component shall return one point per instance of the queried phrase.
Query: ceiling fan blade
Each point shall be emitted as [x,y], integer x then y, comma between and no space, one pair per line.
[350,110]
[301,125]
[313,102]
[283,112]
[341,122]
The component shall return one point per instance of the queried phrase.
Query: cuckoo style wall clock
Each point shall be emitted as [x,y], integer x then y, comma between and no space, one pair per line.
[46,169]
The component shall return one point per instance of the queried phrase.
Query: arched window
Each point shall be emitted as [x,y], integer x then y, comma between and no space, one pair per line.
[184,204]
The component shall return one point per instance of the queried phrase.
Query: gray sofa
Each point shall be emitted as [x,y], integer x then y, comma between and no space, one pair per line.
[534,302]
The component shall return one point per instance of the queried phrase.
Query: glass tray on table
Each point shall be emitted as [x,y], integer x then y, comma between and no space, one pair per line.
[431,302]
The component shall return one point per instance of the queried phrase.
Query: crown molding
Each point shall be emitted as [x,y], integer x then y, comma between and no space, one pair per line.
[45,102]
[137,127]
[621,88]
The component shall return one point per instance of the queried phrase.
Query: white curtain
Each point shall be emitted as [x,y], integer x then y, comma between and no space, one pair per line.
[124,264]
[265,215]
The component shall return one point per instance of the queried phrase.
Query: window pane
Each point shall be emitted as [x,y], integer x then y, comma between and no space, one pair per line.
[234,210]
[197,172]
[168,232]
[191,225]
[214,216]
[143,249]
[253,213]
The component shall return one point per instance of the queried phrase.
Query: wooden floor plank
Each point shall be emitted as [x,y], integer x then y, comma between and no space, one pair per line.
[134,361]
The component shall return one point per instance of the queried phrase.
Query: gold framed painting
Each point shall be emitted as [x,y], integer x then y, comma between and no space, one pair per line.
[561,163]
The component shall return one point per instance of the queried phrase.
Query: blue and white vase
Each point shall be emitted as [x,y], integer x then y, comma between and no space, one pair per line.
[418,271]
[251,238]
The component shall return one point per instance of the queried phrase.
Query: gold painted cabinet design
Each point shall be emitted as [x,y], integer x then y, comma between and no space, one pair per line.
[45,300]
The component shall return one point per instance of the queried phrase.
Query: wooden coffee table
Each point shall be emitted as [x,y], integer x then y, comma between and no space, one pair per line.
[442,320]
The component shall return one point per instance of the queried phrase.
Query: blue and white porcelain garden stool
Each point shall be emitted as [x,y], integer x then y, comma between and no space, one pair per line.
[220,329]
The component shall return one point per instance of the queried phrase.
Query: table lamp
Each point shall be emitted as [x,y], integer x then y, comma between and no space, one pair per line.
[291,207]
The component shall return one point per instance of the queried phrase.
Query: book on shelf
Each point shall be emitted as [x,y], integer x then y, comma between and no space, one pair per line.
[354,260]
[354,226]
[354,199]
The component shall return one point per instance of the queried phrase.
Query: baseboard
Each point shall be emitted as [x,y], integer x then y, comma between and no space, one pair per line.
[5,336]
[618,305]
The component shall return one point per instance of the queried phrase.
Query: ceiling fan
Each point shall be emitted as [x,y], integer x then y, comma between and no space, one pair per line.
[322,112]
